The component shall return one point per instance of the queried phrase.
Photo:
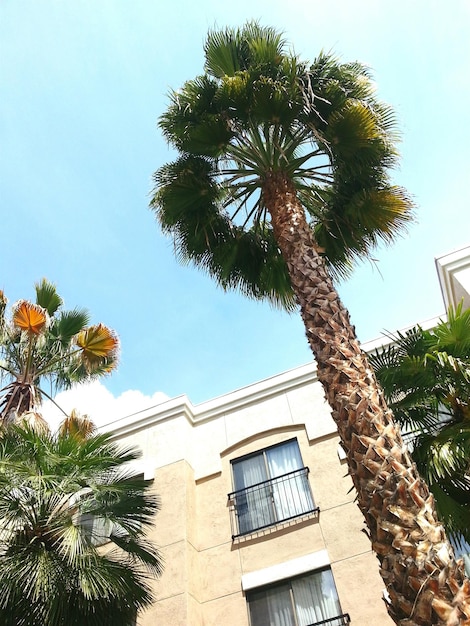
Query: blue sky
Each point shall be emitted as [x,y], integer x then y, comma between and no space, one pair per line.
[82,84]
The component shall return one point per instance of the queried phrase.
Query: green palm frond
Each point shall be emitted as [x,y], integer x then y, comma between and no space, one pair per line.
[425,375]
[139,552]
[193,122]
[353,132]
[233,50]
[443,461]
[328,84]
[186,189]
[47,296]
[445,455]
[225,53]
[353,224]
[453,514]
[453,335]
[265,43]
[68,324]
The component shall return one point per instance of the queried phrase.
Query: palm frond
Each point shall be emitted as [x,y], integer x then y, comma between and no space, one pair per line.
[68,324]
[47,296]
[453,335]
[232,50]
[225,53]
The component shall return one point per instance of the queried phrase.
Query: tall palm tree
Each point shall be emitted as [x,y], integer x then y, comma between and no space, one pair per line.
[61,497]
[425,375]
[280,184]
[42,343]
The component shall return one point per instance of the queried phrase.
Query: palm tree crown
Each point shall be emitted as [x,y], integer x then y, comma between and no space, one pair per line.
[257,112]
[43,343]
[61,496]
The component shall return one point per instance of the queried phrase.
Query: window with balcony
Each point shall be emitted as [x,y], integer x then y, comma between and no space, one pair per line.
[271,486]
[309,600]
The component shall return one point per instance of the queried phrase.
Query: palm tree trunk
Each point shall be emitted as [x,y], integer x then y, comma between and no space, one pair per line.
[425,584]
[19,398]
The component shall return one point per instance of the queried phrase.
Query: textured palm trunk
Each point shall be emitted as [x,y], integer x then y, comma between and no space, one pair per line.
[425,584]
[20,398]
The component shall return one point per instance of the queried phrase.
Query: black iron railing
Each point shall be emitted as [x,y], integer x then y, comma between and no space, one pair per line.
[339,620]
[268,503]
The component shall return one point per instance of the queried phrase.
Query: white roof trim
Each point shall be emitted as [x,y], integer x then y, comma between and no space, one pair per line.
[181,406]
[283,571]
[448,267]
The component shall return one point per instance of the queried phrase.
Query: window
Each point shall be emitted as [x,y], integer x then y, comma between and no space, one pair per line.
[302,601]
[98,529]
[271,486]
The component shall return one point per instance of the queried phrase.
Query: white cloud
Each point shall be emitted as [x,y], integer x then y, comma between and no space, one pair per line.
[94,400]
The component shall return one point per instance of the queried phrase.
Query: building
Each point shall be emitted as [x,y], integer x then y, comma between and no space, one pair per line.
[258,515]
[231,548]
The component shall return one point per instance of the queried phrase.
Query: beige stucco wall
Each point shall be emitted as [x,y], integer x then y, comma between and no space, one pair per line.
[188,451]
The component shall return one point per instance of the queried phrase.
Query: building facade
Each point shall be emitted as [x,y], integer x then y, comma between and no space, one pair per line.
[258,525]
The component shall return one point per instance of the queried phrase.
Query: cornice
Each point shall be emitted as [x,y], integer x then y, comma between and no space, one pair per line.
[181,406]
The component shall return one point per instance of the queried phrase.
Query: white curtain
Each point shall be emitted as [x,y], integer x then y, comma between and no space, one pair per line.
[272,607]
[282,498]
[466,560]
[254,505]
[315,599]
[291,494]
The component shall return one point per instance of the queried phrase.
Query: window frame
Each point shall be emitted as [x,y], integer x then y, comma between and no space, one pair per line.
[272,499]
[260,452]
[288,582]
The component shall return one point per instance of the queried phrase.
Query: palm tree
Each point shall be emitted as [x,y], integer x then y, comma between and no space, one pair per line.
[425,375]
[280,184]
[64,495]
[43,343]
[61,497]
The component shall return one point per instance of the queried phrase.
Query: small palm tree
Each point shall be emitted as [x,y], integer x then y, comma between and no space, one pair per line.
[43,343]
[425,375]
[61,497]
[281,183]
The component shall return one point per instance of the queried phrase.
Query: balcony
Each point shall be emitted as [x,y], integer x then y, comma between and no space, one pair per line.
[271,502]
